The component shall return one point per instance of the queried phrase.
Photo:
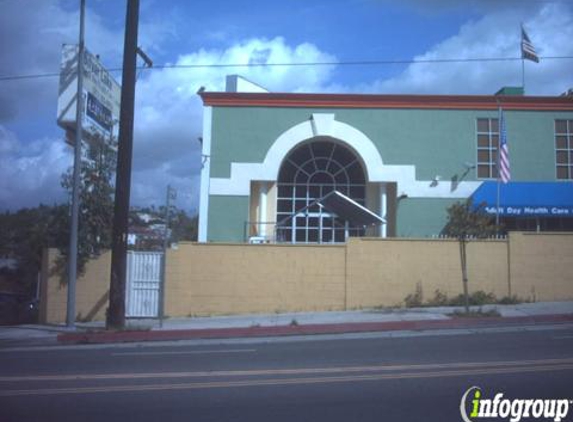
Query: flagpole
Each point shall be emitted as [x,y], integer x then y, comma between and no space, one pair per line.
[522,59]
[527,52]
[498,165]
[523,75]
[498,200]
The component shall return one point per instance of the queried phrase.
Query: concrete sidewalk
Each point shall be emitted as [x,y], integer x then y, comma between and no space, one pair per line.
[352,317]
[307,323]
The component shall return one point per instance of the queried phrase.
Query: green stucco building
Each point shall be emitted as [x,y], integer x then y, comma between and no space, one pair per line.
[269,158]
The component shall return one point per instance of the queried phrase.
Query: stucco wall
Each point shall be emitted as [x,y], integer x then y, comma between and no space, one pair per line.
[435,141]
[224,225]
[424,142]
[422,217]
[215,279]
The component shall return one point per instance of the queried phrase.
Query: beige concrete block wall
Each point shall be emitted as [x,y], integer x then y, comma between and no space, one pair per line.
[541,265]
[92,290]
[382,272]
[487,267]
[214,279]
[217,279]
[53,293]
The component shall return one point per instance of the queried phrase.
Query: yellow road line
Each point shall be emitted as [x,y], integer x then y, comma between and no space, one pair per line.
[285,381]
[293,371]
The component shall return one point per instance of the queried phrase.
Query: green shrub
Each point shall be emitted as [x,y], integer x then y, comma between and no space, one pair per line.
[440,299]
[458,300]
[510,300]
[415,300]
[475,299]
[478,298]
[481,298]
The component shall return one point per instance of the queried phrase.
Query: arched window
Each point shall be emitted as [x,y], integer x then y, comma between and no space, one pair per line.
[308,173]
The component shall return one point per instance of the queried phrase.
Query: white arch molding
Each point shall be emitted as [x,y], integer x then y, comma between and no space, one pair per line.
[325,124]
[320,124]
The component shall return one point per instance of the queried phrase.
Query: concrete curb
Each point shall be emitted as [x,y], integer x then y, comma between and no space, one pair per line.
[95,337]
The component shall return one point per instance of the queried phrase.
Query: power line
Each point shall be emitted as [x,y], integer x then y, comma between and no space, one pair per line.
[356,63]
[33,76]
[301,64]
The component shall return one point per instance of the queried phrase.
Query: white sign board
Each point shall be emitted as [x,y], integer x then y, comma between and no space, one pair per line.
[100,99]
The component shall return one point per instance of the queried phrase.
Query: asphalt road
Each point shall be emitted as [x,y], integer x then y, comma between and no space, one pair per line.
[358,378]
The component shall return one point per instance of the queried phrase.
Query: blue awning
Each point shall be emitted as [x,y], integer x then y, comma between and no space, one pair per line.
[526,199]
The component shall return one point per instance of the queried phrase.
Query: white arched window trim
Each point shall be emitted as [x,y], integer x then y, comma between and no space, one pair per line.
[321,124]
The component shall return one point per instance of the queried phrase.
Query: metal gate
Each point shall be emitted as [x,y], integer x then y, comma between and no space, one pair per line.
[143,284]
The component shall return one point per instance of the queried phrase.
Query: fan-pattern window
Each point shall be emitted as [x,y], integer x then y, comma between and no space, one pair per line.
[308,173]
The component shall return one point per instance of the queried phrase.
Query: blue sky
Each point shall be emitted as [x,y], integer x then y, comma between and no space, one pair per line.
[168,112]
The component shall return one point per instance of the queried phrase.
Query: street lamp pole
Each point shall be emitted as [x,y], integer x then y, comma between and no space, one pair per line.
[171,195]
[73,252]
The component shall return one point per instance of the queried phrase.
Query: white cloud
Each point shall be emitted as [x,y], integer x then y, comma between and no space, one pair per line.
[30,173]
[169,112]
[30,44]
[494,35]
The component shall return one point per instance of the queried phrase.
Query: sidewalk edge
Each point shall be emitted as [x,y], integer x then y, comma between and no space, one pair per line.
[98,337]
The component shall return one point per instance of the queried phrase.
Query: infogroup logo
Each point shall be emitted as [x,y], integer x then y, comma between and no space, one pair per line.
[514,409]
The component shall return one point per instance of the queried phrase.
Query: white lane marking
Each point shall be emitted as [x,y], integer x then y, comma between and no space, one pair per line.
[184,352]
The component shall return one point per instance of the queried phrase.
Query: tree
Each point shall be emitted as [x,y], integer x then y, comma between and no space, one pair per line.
[466,222]
[96,201]
[183,226]
[25,233]
[150,231]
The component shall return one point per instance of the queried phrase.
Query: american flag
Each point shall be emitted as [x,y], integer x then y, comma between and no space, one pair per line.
[504,172]
[527,49]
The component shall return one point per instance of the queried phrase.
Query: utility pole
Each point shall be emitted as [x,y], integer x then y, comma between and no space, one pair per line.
[116,311]
[74,222]
[171,195]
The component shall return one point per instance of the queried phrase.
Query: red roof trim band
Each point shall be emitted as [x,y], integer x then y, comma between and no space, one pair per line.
[460,102]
